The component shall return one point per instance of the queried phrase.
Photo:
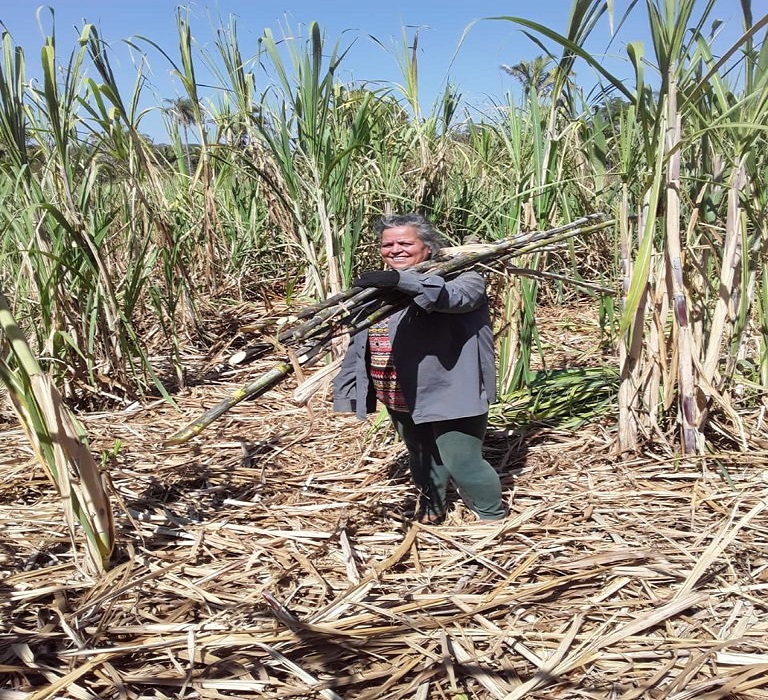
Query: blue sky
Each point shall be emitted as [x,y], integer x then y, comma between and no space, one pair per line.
[473,64]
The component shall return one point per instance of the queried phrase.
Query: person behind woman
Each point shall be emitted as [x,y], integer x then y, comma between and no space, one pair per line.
[432,365]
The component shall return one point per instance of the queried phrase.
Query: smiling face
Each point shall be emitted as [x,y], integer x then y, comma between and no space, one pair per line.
[401,247]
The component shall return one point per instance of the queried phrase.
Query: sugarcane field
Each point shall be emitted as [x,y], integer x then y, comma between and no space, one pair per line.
[250,443]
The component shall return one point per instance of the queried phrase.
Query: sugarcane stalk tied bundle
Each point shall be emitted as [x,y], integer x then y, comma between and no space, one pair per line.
[308,337]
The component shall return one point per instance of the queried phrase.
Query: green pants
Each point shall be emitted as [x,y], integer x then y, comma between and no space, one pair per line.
[450,449]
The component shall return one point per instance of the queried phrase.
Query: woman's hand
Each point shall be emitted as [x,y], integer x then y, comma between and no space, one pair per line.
[381,279]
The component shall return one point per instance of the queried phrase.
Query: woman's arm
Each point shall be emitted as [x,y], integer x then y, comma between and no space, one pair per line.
[433,293]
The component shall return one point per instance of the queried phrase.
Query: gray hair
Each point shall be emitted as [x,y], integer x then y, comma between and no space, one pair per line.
[427,233]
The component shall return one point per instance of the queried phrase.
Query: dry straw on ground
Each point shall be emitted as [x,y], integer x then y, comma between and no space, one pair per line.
[274,558]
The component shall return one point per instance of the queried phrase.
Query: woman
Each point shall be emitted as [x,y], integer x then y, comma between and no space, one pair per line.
[432,365]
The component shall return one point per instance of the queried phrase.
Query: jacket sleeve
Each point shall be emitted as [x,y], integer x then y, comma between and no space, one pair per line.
[352,390]
[431,292]
[345,384]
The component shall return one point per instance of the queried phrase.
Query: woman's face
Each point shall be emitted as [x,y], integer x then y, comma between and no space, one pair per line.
[401,247]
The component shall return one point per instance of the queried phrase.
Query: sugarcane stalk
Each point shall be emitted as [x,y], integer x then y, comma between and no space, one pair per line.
[326,312]
[357,309]
[262,384]
[59,443]
[276,374]
[539,274]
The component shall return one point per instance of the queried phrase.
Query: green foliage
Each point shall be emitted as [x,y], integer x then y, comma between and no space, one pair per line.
[566,399]
[58,441]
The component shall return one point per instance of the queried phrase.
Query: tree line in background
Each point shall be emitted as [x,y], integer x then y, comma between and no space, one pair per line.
[114,249]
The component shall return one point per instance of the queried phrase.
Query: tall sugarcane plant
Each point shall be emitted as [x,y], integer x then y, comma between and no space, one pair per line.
[687,286]
[59,444]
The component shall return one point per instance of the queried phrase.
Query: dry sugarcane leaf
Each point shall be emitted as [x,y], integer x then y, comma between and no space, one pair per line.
[209,536]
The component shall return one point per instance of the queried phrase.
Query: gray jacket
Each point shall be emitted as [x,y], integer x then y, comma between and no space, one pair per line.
[442,348]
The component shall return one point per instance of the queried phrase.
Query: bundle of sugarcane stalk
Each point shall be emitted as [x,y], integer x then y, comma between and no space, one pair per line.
[308,335]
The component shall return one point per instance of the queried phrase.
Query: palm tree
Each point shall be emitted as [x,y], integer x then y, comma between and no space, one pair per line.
[535,76]
[182,112]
